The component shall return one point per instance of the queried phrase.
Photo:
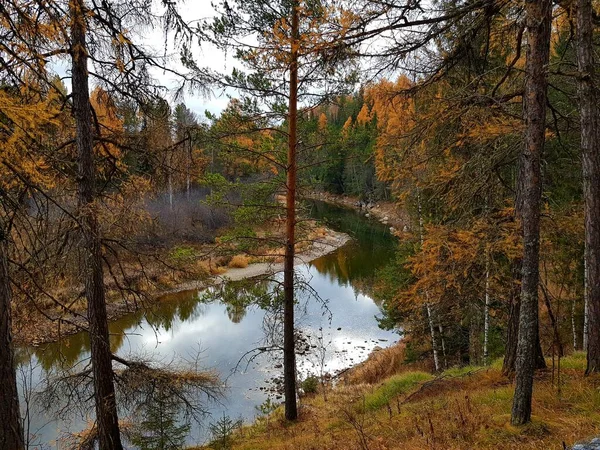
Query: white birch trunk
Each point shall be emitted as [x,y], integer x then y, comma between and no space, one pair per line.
[170,182]
[574,325]
[486,309]
[429,308]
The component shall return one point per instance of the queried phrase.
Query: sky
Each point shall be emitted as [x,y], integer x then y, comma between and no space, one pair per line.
[205,55]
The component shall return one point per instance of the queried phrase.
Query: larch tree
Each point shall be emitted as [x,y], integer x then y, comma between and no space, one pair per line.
[27,111]
[98,41]
[538,22]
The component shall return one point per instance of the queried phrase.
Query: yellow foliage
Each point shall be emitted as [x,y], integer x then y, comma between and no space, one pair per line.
[27,121]
[364,116]
[322,125]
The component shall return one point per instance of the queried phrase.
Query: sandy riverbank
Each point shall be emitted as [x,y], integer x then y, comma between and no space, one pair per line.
[44,329]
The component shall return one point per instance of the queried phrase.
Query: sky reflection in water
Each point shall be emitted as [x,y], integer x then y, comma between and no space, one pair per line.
[182,325]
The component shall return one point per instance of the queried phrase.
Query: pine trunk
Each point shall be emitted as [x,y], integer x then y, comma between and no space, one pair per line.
[590,153]
[289,350]
[101,358]
[512,335]
[11,430]
[538,21]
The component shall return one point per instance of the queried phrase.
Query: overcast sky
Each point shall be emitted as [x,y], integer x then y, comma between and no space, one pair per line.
[205,55]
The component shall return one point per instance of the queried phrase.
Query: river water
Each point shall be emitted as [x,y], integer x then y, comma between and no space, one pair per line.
[338,322]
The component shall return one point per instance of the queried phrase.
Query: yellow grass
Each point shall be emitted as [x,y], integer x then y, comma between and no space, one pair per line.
[239,261]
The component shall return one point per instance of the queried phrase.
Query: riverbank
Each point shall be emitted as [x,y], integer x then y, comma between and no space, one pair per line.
[387,213]
[459,409]
[44,326]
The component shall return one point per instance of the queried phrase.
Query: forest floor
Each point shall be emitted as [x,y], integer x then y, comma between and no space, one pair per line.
[186,267]
[466,408]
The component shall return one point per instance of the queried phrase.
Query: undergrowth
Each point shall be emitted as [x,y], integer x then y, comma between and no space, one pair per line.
[461,408]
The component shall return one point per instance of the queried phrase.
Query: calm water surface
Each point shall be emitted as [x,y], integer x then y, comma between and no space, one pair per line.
[340,326]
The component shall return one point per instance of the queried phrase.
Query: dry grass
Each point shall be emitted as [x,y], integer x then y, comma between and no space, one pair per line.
[461,409]
[239,262]
[381,365]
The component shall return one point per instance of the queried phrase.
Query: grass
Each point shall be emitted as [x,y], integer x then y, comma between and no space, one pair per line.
[239,262]
[393,387]
[463,408]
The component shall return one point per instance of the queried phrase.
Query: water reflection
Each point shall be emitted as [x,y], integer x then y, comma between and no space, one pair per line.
[226,323]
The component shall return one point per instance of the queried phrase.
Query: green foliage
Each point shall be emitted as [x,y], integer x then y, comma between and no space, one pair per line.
[392,387]
[310,384]
[182,254]
[160,427]
[222,432]
[267,407]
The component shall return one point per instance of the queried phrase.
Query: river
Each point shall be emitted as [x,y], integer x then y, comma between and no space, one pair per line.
[339,324]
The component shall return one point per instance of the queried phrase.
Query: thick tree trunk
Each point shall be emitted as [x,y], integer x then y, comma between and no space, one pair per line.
[289,349]
[538,21]
[590,153]
[11,430]
[104,393]
[512,336]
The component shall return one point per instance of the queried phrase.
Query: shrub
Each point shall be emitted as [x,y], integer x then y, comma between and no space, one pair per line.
[239,261]
[310,385]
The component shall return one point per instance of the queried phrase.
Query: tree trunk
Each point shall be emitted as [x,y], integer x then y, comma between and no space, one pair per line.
[590,154]
[574,324]
[428,307]
[538,21]
[289,350]
[585,305]
[11,430]
[486,309]
[512,334]
[436,360]
[104,393]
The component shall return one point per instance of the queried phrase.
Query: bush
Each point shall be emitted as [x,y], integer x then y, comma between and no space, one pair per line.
[310,385]
[239,261]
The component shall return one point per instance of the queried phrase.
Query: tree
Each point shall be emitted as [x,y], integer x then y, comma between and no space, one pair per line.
[109,436]
[538,21]
[11,430]
[27,118]
[590,154]
[37,32]
[159,428]
[295,62]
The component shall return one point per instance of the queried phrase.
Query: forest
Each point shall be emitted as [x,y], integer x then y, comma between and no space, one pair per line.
[470,129]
